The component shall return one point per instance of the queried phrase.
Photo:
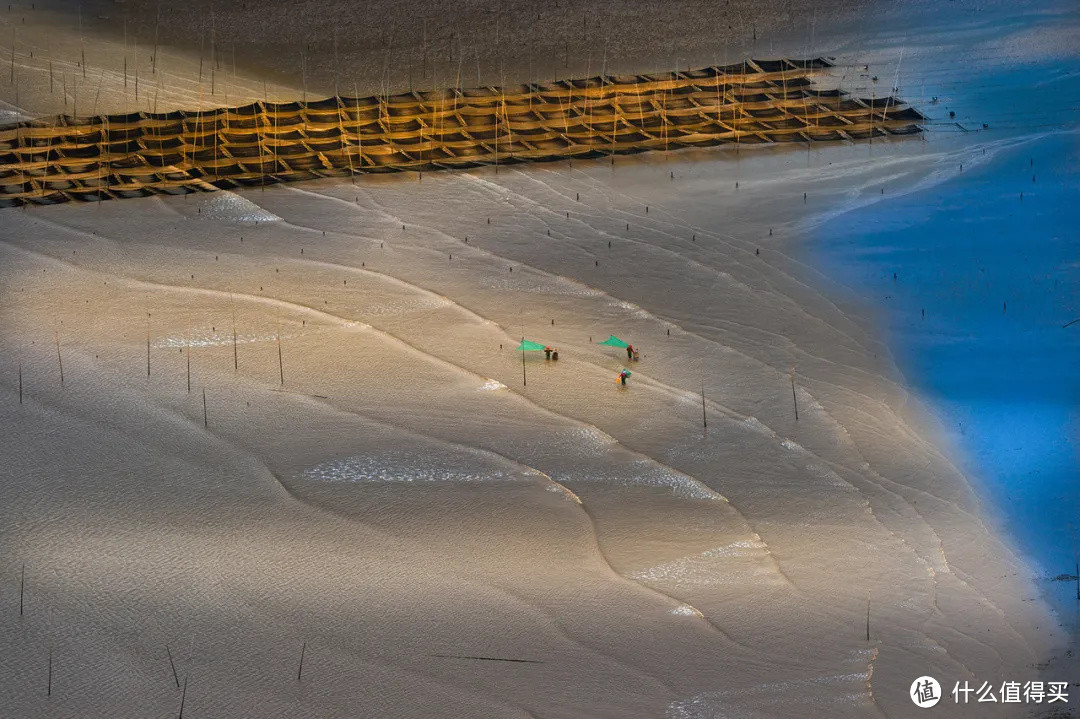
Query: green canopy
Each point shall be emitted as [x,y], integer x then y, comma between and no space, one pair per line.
[614,341]
[529,346]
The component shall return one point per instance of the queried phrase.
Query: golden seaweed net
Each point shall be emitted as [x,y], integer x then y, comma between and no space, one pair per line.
[96,158]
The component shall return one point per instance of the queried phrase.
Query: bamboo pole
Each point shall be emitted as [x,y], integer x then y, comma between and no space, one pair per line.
[235,355]
[213,49]
[154,57]
[59,359]
[336,92]
[277,136]
[704,419]
[867,615]
[281,366]
[341,125]
[261,137]
[172,665]
[188,352]
[794,398]
[183,699]
[360,138]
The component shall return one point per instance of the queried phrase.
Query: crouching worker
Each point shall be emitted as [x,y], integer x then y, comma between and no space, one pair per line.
[555,354]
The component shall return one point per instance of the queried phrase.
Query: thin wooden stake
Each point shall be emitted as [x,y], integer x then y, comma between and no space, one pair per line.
[154,57]
[867,615]
[524,379]
[235,358]
[794,399]
[183,698]
[59,359]
[49,691]
[303,650]
[147,344]
[189,361]
[704,419]
[281,366]
[1076,559]
[22,587]
[173,666]
[204,422]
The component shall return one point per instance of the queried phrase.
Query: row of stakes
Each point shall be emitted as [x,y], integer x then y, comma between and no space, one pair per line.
[281,371]
[403,227]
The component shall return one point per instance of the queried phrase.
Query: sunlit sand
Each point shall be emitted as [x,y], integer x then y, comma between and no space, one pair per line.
[292,422]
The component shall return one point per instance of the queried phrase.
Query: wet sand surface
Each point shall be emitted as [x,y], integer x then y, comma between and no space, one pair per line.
[371,483]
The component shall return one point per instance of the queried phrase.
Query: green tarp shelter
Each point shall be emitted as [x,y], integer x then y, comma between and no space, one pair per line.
[614,341]
[530,346]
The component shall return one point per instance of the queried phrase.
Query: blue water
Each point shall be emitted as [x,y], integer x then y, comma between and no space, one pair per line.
[998,276]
